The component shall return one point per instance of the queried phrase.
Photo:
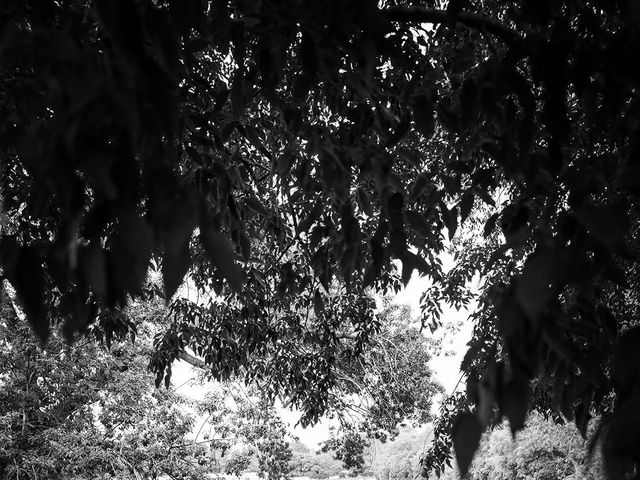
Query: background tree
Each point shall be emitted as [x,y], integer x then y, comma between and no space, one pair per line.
[84,412]
[236,417]
[400,458]
[542,450]
[319,465]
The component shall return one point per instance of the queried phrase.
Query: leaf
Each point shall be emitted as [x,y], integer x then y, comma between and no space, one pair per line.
[533,286]
[486,198]
[625,367]
[423,115]
[131,251]
[448,117]
[308,56]
[175,265]
[318,303]
[284,162]
[466,204]
[408,266]
[468,102]
[28,280]
[245,245]
[256,205]
[167,377]
[418,222]
[159,377]
[467,431]
[313,215]
[422,183]
[490,226]
[516,401]
[223,257]
[582,417]
[175,223]
[220,99]
[451,220]
[364,202]
[94,268]
[251,134]
[238,93]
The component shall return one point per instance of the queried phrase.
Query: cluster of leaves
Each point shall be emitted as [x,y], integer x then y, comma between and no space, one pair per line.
[277,148]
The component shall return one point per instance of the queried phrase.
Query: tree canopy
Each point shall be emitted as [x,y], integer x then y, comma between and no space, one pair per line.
[287,154]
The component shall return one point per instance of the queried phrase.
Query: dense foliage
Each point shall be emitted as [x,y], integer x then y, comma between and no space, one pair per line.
[285,152]
[83,412]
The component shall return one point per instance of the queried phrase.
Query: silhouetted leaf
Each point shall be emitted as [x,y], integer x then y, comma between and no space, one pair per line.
[310,218]
[175,265]
[364,202]
[245,245]
[468,102]
[466,438]
[418,222]
[238,93]
[308,55]
[131,251]
[450,217]
[516,401]
[466,204]
[423,115]
[490,224]
[318,303]
[223,257]
[94,267]
[28,280]
[625,368]
[256,205]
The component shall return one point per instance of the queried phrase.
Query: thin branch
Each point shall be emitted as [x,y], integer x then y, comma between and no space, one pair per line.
[201,427]
[201,442]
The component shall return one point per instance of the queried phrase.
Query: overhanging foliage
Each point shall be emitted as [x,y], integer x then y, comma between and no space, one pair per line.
[274,148]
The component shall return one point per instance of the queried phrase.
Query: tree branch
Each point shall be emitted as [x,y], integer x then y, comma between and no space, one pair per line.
[418,14]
